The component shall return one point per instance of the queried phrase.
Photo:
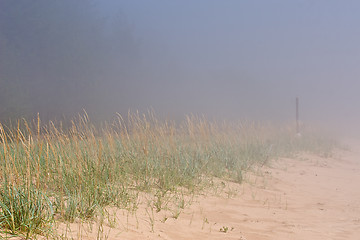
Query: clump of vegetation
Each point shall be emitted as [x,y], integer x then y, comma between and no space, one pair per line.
[52,172]
[24,210]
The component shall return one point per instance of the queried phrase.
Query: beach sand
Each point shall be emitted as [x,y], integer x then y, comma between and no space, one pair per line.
[304,197]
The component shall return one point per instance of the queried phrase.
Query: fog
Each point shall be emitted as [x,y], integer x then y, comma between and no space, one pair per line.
[224,59]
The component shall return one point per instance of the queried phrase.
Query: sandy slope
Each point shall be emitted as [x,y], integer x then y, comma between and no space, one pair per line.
[306,198]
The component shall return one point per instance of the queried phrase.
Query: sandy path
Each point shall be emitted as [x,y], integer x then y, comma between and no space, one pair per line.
[307,198]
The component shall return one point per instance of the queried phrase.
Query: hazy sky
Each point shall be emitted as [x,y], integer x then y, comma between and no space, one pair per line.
[241,58]
[249,58]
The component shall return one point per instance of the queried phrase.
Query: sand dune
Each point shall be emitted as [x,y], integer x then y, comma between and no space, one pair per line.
[307,197]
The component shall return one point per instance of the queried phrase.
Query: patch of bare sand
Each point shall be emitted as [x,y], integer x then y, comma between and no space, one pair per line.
[305,198]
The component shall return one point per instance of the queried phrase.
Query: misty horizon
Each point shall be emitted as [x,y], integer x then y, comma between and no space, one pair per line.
[223,59]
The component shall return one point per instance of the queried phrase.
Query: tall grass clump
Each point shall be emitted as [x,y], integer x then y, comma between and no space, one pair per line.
[24,210]
[71,171]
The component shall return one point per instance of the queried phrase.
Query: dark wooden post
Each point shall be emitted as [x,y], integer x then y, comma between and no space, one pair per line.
[297,117]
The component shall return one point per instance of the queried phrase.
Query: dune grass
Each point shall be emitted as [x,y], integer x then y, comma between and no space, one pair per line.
[54,173]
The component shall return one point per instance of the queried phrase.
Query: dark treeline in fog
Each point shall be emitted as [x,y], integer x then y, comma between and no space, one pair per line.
[58,57]
[224,59]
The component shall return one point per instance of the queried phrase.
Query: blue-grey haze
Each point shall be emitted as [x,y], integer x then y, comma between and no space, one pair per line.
[238,59]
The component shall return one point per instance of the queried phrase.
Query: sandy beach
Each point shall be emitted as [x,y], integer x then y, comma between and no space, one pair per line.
[305,197]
